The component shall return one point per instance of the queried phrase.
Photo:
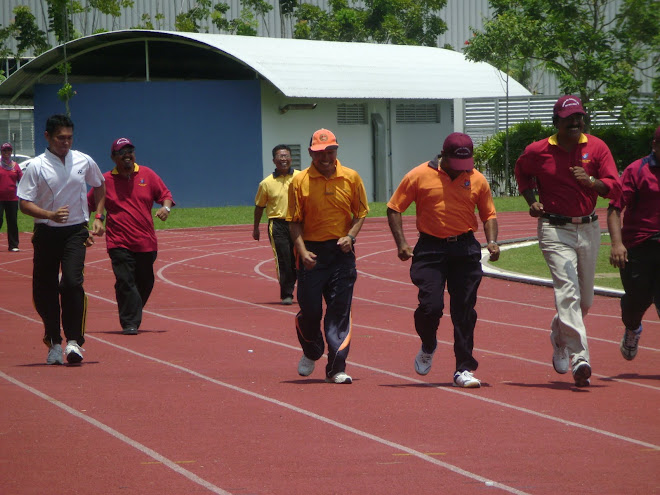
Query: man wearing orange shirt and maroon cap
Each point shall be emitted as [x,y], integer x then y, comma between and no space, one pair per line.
[636,246]
[570,170]
[131,191]
[327,207]
[446,191]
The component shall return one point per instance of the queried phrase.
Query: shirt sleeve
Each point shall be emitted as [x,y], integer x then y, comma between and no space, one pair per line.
[608,173]
[485,203]
[161,191]
[361,206]
[261,199]
[627,188]
[295,208]
[403,196]
[93,176]
[28,186]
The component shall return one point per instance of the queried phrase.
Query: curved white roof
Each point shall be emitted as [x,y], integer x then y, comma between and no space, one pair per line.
[328,69]
[297,68]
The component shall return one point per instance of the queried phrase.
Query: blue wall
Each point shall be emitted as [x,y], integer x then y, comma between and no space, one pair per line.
[202,137]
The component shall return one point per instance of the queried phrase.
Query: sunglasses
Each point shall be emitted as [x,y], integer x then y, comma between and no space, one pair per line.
[125,151]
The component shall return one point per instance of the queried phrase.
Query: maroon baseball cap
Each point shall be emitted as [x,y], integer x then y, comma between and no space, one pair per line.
[6,146]
[457,151]
[567,106]
[121,143]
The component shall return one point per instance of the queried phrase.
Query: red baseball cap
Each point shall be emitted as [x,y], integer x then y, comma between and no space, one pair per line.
[457,151]
[322,140]
[6,146]
[121,143]
[567,106]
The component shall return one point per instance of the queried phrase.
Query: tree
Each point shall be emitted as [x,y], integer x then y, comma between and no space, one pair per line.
[592,55]
[401,22]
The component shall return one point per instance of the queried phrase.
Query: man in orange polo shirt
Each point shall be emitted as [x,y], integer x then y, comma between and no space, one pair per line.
[446,191]
[327,207]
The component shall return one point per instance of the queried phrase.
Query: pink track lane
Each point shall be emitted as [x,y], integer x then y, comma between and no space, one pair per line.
[206,399]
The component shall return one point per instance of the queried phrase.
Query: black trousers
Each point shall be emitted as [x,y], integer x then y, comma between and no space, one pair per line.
[457,265]
[10,210]
[55,249]
[280,241]
[332,280]
[134,281]
[641,282]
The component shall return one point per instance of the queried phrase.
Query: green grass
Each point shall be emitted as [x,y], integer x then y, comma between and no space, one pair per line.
[529,261]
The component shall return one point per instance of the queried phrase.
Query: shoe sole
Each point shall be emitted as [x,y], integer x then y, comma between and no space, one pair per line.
[74,358]
[628,356]
[422,372]
[347,381]
[129,331]
[472,385]
[582,375]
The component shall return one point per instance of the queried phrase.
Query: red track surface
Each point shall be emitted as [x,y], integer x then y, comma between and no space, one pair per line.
[207,399]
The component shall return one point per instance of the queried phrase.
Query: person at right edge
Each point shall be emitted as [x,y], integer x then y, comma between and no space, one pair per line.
[570,169]
[636,246]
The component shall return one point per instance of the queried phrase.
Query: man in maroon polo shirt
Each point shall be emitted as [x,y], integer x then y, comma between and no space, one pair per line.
[570,170]
[636,246]
[131,191]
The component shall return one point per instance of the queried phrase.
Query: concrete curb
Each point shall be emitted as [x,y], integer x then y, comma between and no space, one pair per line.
[494,272]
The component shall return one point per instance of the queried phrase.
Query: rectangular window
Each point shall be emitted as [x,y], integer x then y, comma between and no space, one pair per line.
[296,159]
[417,113]
[354,114]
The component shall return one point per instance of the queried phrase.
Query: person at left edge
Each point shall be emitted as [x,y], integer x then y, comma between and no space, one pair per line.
[327,207]
[53,190]
[445,191]
[131,191]
[10,175]
[273,196]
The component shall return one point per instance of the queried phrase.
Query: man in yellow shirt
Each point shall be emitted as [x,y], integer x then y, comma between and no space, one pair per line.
[273,196]
[327,207]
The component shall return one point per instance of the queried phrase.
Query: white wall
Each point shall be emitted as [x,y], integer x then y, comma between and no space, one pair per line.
[408,144]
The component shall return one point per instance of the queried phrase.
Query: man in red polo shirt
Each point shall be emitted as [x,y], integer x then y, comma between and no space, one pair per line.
[570,170]
[445,191]
[131,191]
[636,247]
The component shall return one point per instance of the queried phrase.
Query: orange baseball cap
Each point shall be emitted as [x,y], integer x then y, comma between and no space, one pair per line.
[322,140]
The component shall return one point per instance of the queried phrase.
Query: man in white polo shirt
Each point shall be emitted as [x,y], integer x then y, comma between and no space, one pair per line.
[54,191]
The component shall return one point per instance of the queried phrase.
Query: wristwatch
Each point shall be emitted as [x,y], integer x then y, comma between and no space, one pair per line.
[167,208]
[100,216]
[351,237]
[592,179]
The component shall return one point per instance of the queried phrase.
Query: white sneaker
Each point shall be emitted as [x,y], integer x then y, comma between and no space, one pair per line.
[73,352]
[629,343]
[465,379]
[560,360]
[581,373]
[340,377]
[423,362]
[305,366]
[55,355]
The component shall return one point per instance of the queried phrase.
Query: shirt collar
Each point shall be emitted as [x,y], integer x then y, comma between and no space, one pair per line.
[653,162]
[136,168]
[553,139]
[277,173]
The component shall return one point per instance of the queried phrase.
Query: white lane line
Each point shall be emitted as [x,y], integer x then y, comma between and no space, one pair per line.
[175,467]
[119,436]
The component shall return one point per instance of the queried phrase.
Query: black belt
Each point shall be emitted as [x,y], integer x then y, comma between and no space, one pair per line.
[453,238]
[563,220]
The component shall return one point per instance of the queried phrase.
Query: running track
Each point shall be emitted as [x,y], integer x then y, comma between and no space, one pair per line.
[207,399]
